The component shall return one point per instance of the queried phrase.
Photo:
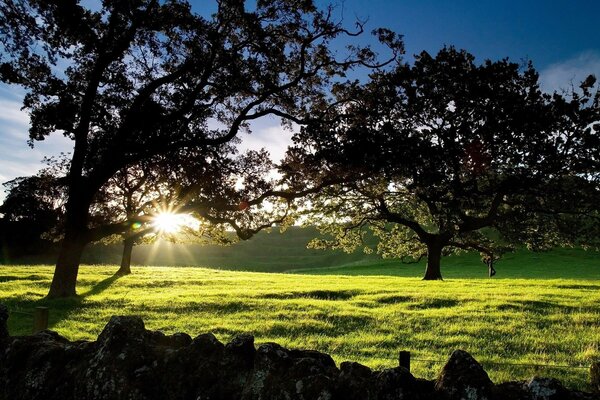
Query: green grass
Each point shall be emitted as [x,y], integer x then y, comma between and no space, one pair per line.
[265,252]
[365,318]
[522,264]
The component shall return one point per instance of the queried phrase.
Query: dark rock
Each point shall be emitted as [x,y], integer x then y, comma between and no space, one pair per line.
[3,322]
[511,390]
[240,351]
[122,364]
[546,389]
[320,359]
[271,356]
[425,390]
[220,371]
[576,395]
[354,370]
[207,345]
[268,359]
[122,330]
[176,340]
[595,376]
[180,339]
[355,382]
[297,374]
[41,366]
[464,378]
[395,384]
[50,336]
[130,363]
[200,368]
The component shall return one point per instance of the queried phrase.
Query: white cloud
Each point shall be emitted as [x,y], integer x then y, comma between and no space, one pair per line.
[271,136]
[571,72]
[14,169]
[16,157]
[10,112]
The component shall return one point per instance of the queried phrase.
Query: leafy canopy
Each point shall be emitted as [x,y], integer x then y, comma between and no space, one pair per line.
[447,155]
[147,79]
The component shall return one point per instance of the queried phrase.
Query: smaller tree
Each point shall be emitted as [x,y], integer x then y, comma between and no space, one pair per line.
[31,210]
[211,194]
[124,206]
[34,198]
[130,199]
[446,155]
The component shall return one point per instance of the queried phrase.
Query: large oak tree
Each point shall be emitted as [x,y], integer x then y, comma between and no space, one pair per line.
[447,155]
[143,78]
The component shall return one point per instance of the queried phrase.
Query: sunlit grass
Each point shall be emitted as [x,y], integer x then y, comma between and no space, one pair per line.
[362,318]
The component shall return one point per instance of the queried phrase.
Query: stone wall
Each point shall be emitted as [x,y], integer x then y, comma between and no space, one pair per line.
[129,362]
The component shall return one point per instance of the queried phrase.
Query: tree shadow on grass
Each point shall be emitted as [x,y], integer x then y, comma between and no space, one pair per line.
[21,309]
[9,278]
[314,294]
[101,286]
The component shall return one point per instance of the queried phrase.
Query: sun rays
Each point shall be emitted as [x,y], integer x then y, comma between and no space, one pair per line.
[169,222]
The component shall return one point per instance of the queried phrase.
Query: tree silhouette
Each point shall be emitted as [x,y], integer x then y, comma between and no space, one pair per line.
[142,78]
[128,200]
[218,190]
[39,200]
[446,155]
[31,211]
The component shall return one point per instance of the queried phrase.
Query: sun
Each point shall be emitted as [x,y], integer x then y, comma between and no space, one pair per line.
[168,222]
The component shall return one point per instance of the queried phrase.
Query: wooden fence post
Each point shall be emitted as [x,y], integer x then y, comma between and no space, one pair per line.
[40,319]
[404,359]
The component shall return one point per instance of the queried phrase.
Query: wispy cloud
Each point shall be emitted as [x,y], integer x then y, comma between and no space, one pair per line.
[269,135]
[16,157]
[570,72]
[11,114]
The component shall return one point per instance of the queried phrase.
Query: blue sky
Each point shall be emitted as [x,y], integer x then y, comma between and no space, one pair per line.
[560,37]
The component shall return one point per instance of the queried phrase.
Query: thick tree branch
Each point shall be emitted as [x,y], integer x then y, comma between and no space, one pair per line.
[388,215]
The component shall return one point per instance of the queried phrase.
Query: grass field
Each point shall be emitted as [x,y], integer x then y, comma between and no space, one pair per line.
[522,264]
[518,319]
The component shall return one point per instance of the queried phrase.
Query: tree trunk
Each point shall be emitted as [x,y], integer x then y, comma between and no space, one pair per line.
[125,268]
[434,257]
[64,280]
[79,198]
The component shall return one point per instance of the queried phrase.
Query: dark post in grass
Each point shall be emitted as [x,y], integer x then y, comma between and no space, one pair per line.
[404,359]
[3,322]
[40,319]
[595,376]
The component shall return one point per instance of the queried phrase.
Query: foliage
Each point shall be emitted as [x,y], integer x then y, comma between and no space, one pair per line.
[19,234]
[31,213]
[361,318]
[135,196]
[36,199]
[139,79]
[447,155]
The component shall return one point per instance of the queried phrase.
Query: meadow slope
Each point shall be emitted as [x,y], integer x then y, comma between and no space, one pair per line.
[363,318]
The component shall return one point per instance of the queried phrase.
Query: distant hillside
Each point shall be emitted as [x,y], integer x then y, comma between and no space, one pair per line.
[287,252]
[267,251]
[560,263]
